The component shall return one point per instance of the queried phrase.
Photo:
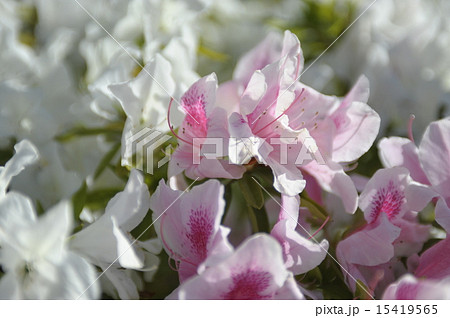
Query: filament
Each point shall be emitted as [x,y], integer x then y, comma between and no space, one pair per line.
[284,112]
[320,228]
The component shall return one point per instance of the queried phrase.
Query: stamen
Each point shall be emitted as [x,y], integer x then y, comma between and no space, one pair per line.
[284,112]
[320,228]
[171,127]
[410,132]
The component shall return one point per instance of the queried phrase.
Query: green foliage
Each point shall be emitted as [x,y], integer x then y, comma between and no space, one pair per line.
[369,163]
[79,200]
[319,24]
[107,158]
[258,219]
[313,207]
[112,130]
[252,192]
[7,152]
[29,17]
[166,282]
[328,279]
[145,230]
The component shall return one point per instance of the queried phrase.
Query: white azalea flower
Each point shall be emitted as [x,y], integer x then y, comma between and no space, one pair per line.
[108,241]
[145,100]
[49,180]
[401,46]
[34,257]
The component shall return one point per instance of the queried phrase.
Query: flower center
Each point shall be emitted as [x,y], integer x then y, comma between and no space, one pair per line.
[194,104]
[249,285]
[389,200]
[25,272]
[201,229]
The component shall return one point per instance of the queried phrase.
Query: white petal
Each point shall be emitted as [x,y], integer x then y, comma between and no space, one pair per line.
[130,206]
[26,154]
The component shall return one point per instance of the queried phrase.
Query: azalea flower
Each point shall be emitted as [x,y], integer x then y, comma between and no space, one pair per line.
[254,271]
[35,257]
[258,126]
[390,202]
[189,225]
[300,253]
[144,100]
[278,114]
[107,242]
[427,163]
[204,125]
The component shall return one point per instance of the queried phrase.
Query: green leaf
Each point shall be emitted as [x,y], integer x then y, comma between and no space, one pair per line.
[79,200]
[228,196]
[98,199]
[252,192]
[312,278]
[7,152]
[213,55]
[113,128]
[145,230]
[167,280]
[315,209]
[106,160]
[258,219]
[39,208]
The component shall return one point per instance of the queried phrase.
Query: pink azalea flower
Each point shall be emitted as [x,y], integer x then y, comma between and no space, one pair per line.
[258,128]
[393,192]
[202,121]
[299,252]
[344,129]
[279,119]
[267,52]
[390,202]
[189,225]
[409,287]
[428,163]
[254,271]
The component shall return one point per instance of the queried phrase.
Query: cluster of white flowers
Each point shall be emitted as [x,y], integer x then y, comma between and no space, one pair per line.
[400,46]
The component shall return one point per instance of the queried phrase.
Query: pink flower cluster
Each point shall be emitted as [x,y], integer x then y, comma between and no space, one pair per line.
[266,117]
